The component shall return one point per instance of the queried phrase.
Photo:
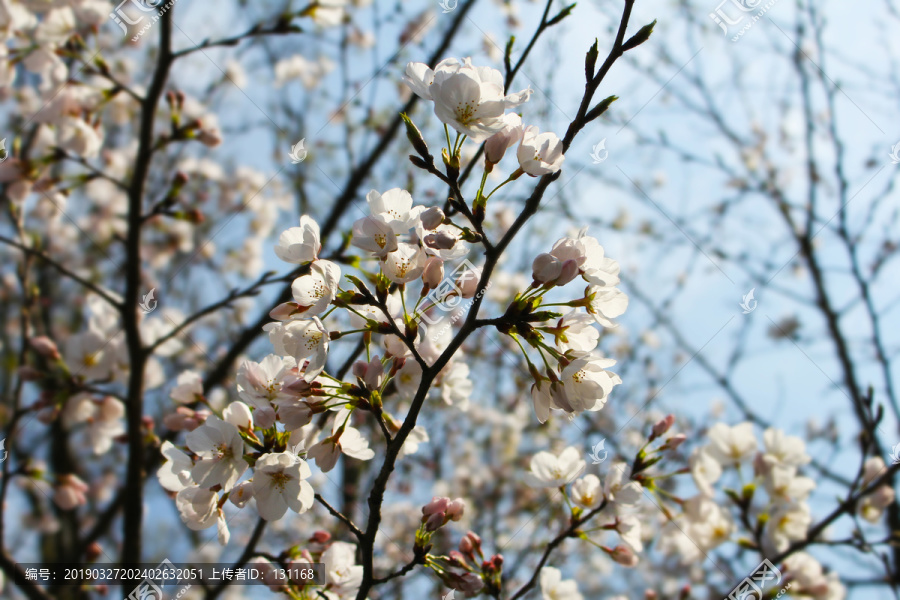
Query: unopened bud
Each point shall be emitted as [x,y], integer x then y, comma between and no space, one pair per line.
[433,273]
[431,218]
[568,272]
[663,426]
[45,347]
[673,442]
[455,509]
[546,268]
[440,240]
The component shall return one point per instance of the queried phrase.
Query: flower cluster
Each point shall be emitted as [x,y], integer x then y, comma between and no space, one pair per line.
[774,497]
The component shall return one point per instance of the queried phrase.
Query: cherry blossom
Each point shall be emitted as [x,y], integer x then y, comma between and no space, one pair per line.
[553,587]
[470,99]
[549,470]
[540,153]
[301,340]
[279,484]
[299,245]
[221,450]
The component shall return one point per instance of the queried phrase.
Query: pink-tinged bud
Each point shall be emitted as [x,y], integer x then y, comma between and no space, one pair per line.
[433,273]
[546,268]
[359,368]
[457,558]
[467,283]
[434,522]
[148,422]
[455,509]
[437,505]
[431,218]
[471,545]
[511,134]
[45,347]
[673,442]
[70,493]
[497,561]
[568,272]
[651,595]
[663,426]
[320,537]
[374,373]
[27,373]
[624,556]
[470,583]
[685,592]
[440,240]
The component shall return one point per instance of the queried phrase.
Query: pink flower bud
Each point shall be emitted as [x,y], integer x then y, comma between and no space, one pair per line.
[359,369]
[470,583]
[455,509]
[624,556]
[673,442]
[568,272]
[546,268]
[468,282]
[374,373]
[320,537]
[431,218]
[440,240]
[45,347]
[433,273]
[434,522]
[663,426]
[497,145]
[437,505]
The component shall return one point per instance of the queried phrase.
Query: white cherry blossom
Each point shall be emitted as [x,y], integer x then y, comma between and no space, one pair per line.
[221,450]
[553,587]
[550,471]
[540,153]
[469,99]
[299,245]
[279,483]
